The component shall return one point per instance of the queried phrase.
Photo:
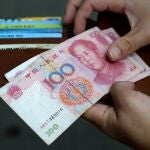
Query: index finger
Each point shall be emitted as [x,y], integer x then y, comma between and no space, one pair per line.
[71,9]
[88,6]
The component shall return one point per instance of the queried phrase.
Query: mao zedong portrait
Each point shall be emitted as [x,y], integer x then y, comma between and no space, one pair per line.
[89,55]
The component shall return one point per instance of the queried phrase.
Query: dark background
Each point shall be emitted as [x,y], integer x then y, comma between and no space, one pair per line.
[14,133]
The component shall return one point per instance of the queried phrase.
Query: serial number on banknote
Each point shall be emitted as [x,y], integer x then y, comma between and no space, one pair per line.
[52,117]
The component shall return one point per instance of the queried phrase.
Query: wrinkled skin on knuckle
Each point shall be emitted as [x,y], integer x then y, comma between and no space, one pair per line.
[126,46]
[109,123]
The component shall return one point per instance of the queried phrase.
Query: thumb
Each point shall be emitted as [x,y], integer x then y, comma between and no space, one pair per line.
[127,44]
[104,116]
[121,93]
[99,115]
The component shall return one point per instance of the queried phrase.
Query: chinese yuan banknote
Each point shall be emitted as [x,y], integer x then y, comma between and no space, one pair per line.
[113,35]
[17,70]
[62,83]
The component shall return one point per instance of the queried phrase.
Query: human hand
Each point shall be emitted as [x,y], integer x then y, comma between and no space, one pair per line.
[137,11]
[128,120]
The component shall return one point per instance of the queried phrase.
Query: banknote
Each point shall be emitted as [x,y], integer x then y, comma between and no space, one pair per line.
[144,73]
[113,35]
[60,85]
[106,73]
[110,32]
[87,53]
[43,110]
[19,69]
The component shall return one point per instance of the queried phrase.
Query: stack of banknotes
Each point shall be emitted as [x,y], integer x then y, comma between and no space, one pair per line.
[53,89]
[31,27]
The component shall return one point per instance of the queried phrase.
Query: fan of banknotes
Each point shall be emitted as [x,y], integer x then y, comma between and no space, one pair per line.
[51,90]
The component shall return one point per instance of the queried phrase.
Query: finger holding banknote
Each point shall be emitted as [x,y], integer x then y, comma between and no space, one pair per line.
[137,11]
[127,121]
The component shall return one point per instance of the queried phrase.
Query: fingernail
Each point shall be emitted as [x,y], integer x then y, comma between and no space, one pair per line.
[114,53]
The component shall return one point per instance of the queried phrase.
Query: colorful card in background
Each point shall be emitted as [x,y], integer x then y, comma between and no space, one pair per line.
[29,35]
[40,18]
[34,27]
[32,19]
[47,30]
[30,26]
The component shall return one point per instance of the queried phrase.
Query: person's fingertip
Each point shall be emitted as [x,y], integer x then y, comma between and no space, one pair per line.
[121,93]
[122,86]
[65,20]
[77,30]
[114,53]
[68,18]
[96,112]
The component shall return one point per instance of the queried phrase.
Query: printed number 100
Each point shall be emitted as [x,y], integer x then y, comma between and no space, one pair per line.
[58,76]
[50,131]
